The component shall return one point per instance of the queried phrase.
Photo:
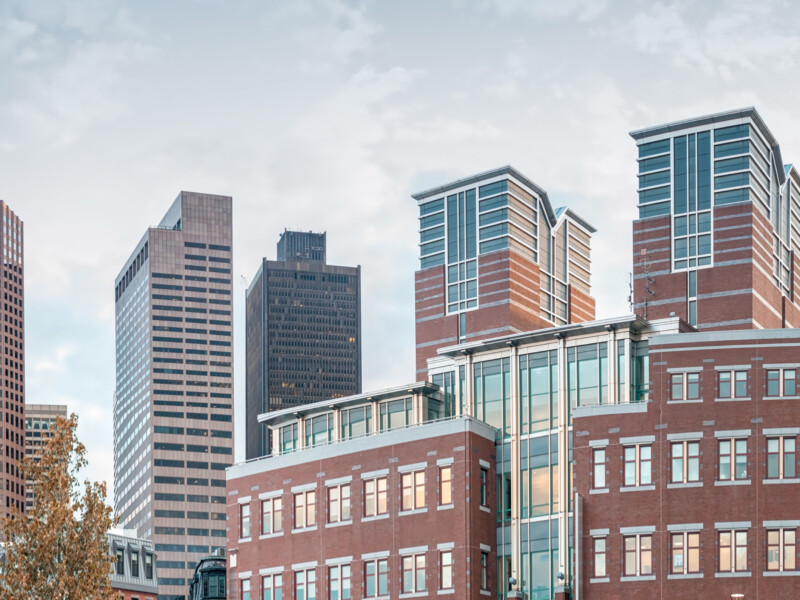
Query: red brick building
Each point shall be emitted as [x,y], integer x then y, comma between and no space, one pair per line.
[694,492]
[497,259]
[716,241]
[366,497]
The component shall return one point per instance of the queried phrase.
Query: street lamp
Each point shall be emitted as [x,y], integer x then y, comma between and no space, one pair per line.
[737,596]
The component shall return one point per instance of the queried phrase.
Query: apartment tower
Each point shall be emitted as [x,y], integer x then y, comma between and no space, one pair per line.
[303,339]
[13,381]
[173,407]
[497,259]
[39,422]
[716,242]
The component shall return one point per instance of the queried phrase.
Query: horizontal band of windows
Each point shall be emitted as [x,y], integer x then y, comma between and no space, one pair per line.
[654,194]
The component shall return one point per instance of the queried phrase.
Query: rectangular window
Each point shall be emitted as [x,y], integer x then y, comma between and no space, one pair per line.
[599,470]
[685,462]
[305,585]
[120,553]
[272,585]
[732,551]
[339,503]
[375,497]
[445,485]
[781,457]
[446,570]
[413,575]
[134,563]
[245,589]
[677,386]
[781,550]
[638,465]
[339,582]
[244,521]
[413,485]
[148,566]
[304,509]
[376,578]
[781,382]
[685,552]
[732,459]
[484,570]
[724,384]
[484,492]
[685,386]
[740,381]
[271,516]
[600,557]
[638,555]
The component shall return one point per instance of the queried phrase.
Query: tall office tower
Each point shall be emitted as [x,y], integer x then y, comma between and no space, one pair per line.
[173,408]
[39,422]
[303,338]
[496,259]
[12,486]
[716,242]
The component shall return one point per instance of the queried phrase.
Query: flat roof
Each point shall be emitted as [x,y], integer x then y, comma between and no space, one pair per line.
[538,335]
[289,414]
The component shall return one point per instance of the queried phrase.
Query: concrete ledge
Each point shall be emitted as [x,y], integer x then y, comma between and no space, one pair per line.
[596,410]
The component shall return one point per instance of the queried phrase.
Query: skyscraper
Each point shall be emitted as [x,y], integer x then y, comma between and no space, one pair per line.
[173,409]
[716,241]
[39,422]
[303,336]
[497,259]
[12,485]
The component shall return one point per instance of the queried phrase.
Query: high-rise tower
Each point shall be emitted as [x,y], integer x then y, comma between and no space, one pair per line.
[303,336]
[173,409]
[12,486]
[496,259]
[39,422]
[716,242]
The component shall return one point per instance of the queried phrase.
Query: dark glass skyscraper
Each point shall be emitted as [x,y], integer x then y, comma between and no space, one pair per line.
[303,336]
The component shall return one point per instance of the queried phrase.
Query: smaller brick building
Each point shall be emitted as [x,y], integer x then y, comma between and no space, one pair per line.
[693,492]
[370,496]
[133,576]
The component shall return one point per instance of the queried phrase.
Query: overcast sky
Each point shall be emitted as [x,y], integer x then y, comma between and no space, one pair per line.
[327,115]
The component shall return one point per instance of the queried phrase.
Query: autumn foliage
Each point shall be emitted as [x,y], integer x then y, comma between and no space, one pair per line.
[59,550]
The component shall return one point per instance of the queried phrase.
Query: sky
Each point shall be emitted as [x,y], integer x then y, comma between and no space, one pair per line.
[326,115]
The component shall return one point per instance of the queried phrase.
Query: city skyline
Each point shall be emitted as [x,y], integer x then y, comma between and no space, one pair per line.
[376,131]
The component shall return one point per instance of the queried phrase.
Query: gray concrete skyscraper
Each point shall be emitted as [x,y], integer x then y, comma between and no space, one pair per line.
[173,407]
[303,337]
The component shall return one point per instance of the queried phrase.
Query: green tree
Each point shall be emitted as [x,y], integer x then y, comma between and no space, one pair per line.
[58,550]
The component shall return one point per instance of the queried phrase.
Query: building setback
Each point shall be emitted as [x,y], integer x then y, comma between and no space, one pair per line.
[39,421]
[173,407]
[303,340]
[717,238]
[692,492]
[497,259]
[12,486]
[365,497]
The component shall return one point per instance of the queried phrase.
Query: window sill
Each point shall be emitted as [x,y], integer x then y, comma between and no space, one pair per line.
[638,488]
[421,594]
[247,539]
[685,576]
[692,401]
[599,580]
[375,517]
[415,511]
[445,506]
[599,491]
[266,536]
[780,481]
[735,574]
[339,523]
[304,529]
[638,578]
[743,399]
[688,484]
[781,573]
[781,398]
[732,482]
[446,592]
[485,508]
[486,593]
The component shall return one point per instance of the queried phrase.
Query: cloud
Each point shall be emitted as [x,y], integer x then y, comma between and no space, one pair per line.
[583,10]
[56,362]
